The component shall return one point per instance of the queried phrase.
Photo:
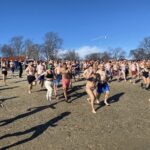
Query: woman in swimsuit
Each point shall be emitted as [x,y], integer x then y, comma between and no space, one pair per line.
[146,77]
[90,76]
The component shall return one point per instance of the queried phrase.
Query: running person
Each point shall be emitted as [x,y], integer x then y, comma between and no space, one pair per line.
[146,77]
[4,72]
[41,68]
[49,78]
[57,80]
[116,71]
[133,69]
[12,68]
[90,76]
[20,68]
[30,70]
[103,86]
[66,78]
[123,70]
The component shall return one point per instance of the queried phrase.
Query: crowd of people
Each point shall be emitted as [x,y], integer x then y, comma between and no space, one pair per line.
[97,74]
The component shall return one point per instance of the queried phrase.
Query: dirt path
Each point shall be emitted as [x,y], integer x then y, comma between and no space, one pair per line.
[28,123]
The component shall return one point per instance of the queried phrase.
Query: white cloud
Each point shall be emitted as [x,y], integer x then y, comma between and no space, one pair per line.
[85,50]
[82,51]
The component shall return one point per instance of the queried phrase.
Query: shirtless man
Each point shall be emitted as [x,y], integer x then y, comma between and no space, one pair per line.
[123,70]
[12,68]
[103,86]
[133,69]
[58,77]
[66,78]
[108,68]
[116,70]
[41,68]
[30,70]
[70,68]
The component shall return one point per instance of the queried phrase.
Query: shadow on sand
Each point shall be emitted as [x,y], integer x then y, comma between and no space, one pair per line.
[36,131]
[20,81]
[9,98]
[29,112]
[76,96]
[113,99]
[9,88]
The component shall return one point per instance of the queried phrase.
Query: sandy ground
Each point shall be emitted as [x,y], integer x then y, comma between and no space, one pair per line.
[28,123]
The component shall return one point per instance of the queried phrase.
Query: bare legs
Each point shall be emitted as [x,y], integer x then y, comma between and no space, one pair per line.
[4,78]
[31,86]
[41,83]
[146,82]
[56,91]
[65,93]
[91,98]
[106,98]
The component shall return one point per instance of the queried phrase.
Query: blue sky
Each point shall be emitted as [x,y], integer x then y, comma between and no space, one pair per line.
[81,23]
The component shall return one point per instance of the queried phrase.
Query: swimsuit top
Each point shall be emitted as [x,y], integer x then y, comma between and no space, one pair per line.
[96,79]
[145,72]
[50,75]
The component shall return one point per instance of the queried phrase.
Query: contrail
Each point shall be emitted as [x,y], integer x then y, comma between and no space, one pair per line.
[99,37]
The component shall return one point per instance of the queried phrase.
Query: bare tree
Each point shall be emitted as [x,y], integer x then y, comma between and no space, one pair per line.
[117,53]
[51,46]
[143,51]
[105,56]
[17,44]
[32,50]
[138,54]
[145,44]
[7,50]
[71,55]
[93,56]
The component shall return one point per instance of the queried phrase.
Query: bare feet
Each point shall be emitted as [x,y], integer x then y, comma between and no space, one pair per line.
[1,105]
[106,103]
[97,102]
[29,92]
[93,111]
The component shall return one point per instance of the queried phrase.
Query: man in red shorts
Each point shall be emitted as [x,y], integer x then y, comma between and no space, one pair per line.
[66,78]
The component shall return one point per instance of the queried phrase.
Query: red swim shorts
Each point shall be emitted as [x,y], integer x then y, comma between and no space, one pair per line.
[134,73]
[65,83]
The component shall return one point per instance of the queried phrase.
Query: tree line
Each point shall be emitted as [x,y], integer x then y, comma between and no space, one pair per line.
[52,45]
[142,52]
[17,46]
